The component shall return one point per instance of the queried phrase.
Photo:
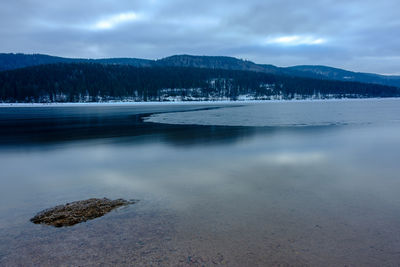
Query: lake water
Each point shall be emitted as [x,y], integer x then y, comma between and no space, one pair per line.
[307,183]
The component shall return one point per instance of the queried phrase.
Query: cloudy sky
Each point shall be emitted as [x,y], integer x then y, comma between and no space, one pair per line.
[360,35]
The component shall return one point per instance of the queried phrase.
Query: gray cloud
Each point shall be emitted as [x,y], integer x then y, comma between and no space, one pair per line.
[360,35]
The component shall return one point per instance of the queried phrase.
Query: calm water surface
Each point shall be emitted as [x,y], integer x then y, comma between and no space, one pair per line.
[278,183]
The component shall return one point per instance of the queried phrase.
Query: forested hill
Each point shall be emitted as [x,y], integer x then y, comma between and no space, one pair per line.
[86,82]
[15,61]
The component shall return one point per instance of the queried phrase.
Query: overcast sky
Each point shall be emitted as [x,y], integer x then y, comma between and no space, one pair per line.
[359,35]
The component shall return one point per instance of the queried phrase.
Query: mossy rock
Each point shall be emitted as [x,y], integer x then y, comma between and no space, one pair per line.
[78,211]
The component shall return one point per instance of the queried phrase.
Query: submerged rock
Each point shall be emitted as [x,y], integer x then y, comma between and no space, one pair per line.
[78,211]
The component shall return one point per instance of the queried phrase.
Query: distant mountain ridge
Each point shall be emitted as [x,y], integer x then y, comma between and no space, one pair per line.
[16,61]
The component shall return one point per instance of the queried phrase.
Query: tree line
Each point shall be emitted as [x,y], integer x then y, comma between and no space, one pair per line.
[76,82]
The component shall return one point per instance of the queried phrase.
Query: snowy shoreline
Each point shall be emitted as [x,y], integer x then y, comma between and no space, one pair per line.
[216,102]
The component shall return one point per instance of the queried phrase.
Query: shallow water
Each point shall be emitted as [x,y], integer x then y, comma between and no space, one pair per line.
[317,185]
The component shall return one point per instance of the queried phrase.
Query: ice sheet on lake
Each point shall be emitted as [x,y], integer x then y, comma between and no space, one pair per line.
[289,113]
